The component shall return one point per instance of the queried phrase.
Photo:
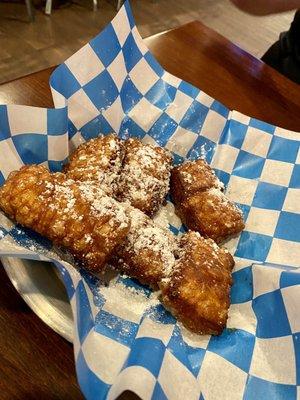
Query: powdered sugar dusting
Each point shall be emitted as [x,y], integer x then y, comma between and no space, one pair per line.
[161,218]
[145,175]
[128,298]
[102,205]
[63,191]
[216,192]
[157,240]
[138,220]
[187,177]
[224,199]
[98,162]
[146,234]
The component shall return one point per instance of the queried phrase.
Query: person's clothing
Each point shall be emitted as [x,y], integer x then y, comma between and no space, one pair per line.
[284,55]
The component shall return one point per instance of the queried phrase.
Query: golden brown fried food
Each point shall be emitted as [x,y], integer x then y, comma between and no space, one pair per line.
[192,177]
[147,253]
[89,225]
[197,292]
[201,204]
[145,176]
[212,214]
[97,161]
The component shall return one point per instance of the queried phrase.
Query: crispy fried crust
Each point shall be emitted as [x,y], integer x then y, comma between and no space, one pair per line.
[65,213]
[145,175]
[197,293]
[97,161]
[200,203]
[128,170]
[212,214]
[192,177]
[147,253]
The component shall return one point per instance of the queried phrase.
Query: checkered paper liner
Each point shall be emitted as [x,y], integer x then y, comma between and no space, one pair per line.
[114,84]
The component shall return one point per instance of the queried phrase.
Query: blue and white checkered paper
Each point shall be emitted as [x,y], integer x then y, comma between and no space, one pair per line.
[114,84]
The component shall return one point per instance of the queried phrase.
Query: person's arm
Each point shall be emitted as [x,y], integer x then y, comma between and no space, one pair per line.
[265,7]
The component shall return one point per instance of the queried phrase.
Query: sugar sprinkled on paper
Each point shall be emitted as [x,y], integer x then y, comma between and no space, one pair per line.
[129,298]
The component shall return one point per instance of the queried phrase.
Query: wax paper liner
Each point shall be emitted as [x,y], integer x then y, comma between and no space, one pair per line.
[114,84]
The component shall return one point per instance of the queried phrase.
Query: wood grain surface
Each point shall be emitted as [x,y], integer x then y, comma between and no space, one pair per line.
[30,47]
[35,362]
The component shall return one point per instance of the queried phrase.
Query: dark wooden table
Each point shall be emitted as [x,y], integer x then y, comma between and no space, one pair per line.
[35,362]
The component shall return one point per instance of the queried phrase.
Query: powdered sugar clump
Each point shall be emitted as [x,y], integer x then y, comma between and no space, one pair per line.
[161,218]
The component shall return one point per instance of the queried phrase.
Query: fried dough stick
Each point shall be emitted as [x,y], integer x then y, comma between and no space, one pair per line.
[65,213]
[201,204]
[197,291]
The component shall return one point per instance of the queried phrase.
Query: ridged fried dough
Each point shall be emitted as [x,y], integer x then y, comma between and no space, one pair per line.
[59,209]
[98,161]
[197,292]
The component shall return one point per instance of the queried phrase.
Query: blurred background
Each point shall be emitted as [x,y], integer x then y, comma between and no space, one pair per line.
[31,40]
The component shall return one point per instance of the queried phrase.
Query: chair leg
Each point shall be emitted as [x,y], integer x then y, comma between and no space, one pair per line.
[48,7]
[119,4]
[95,5]
[30,10]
